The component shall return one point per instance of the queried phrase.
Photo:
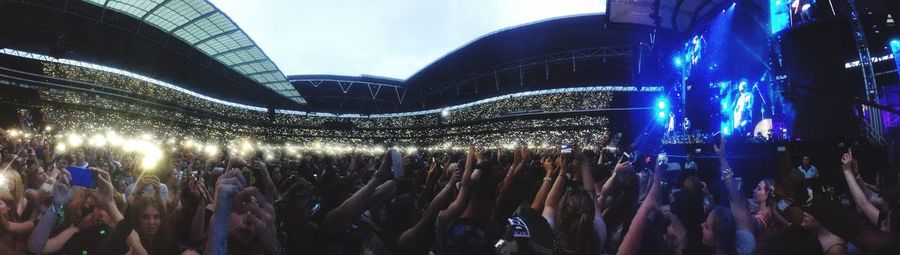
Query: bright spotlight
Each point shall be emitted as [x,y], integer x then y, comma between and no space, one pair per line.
[114,138]
[189,143]
[60,147]
[445,112]
[75,140]
[211,150]
[97,141]
[662,108]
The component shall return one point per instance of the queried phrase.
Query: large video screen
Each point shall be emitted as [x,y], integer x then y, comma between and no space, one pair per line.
[723,66]
[789,13]
[677,15]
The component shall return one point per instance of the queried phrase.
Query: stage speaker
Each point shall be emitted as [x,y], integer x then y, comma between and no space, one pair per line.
[814,60]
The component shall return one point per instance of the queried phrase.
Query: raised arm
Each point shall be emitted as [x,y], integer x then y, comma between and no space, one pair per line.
[604,190]
[556,192]
[415,240]
[633,238]
[720,150]
[271,191]
[62,194]
[587,179]
[505,205]
[342,216]
[848,165]
[833,216]
[433,175]
[104,196]
[538,203]
[462,198]
[383,193]
[738,203]
[228,185]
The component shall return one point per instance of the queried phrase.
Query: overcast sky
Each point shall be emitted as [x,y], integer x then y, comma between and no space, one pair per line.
[392,38]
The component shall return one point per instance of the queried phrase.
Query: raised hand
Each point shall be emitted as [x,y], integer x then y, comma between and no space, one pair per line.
[577,153]
[148,180]
[720,147]
[384,172]
[264,222]
[260,164]
[848,163]
[104,193]
[517,156]
[659,171]
[547,165]
[230,183]
[526,155]
[733,185]
[62,190]
[562,163]
[479,155]
[455,177]
[622,166]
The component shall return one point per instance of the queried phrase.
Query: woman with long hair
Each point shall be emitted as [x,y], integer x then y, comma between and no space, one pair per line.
[719,231]
[764,194]
[149,217]
[575,227]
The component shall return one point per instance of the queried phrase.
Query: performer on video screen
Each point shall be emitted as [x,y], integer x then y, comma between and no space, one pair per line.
[743,106]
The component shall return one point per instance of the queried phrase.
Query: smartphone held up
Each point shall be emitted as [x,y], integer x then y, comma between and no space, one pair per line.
[82,176]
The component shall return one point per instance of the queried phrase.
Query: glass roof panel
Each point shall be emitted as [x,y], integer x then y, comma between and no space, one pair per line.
[199,23]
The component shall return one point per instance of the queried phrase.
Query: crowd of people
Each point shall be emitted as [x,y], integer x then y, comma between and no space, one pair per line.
[519,200]
[170,97]
[498,186]
[173,113]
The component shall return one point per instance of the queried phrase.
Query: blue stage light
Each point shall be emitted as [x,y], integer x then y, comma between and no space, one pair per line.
[895,49]
[662,109]
[677,62]
[662,103]
[779,15]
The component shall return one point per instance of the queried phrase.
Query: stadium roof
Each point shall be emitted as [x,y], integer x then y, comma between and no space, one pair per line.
[521,42]
[569,51]
[204,27]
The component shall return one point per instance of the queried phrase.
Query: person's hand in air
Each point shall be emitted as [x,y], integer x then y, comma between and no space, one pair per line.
[848,163]
[104,194]
[622,166]
[230,183]
[62,189]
